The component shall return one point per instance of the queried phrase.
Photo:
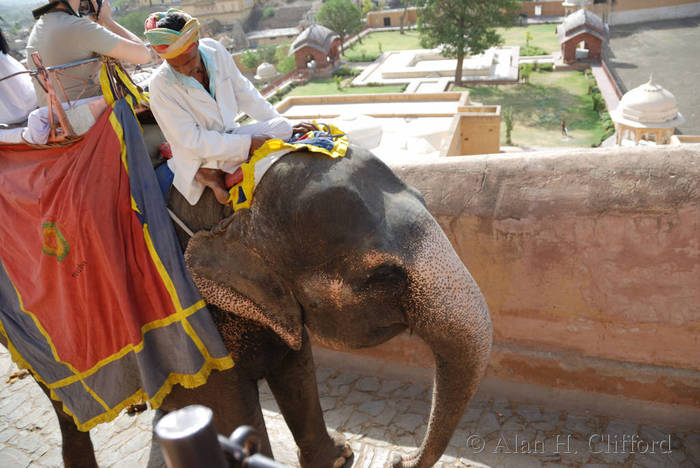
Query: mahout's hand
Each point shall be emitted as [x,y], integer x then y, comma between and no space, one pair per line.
[256,141]
[304,127]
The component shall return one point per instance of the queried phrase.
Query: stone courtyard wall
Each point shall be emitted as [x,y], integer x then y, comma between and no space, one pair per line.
[589,261]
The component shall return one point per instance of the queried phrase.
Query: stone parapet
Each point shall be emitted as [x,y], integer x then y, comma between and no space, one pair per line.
[589,261]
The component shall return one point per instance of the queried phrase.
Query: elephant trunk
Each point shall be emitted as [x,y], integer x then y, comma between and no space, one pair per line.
[448,311]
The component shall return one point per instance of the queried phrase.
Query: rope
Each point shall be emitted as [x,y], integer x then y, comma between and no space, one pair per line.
[180,223]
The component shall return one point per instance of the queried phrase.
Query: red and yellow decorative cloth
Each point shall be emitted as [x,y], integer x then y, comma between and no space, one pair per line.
[94,296]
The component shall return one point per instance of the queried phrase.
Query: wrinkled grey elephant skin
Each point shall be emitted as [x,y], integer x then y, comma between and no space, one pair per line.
[346,251]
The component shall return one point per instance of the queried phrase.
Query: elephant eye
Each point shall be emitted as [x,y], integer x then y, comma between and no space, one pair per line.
[390,276]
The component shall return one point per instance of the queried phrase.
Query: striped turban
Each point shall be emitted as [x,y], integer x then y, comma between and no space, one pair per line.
[169,43]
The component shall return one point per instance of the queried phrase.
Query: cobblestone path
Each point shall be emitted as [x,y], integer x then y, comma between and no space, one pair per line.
[374,413]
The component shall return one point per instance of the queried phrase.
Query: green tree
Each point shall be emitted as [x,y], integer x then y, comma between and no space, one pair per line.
[267,52]
[134,21]
[285,62]
[367,6]
[341,16]
[525,72]
[250,59]
[508,121]
[528,38]
[464,26]
[286,65]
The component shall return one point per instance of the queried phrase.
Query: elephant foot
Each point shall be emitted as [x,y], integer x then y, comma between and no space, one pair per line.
[397,461]
[334,454]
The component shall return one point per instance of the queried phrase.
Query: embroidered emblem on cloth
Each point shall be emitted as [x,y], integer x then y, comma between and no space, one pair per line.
[54,242]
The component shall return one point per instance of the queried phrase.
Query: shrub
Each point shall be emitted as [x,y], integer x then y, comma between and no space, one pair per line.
[526,51]
[268,12]
[508,121]
[547,67]
[338,82]
[346,71]
[525,72]
[609,127]
[598,102]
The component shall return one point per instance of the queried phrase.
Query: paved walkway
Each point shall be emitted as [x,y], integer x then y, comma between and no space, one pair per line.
[606,86]
[374,413]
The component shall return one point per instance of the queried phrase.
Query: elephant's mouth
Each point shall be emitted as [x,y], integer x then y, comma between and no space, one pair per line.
[366,339]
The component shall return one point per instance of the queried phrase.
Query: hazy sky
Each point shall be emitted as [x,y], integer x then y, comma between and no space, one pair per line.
[20,2]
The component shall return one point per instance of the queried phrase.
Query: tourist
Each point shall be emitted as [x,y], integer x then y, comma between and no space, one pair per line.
[61,35]
[17,97]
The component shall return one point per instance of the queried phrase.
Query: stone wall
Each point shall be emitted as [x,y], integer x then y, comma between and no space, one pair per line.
[639,11]
[378,19]
[474,130]
[548,8]
[589,261]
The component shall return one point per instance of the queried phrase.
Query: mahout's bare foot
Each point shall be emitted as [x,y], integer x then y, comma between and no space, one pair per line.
[214,179]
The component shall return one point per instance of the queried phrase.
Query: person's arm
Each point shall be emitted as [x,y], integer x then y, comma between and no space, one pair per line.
[129,48]
[181,131]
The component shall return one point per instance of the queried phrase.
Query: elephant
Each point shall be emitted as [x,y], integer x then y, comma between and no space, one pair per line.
[340,250]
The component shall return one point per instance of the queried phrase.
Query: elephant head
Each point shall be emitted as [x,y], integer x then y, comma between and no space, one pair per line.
[346,249]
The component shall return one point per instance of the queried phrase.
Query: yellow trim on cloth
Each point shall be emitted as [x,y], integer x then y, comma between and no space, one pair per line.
[247,185]
[181,315]
[142,97]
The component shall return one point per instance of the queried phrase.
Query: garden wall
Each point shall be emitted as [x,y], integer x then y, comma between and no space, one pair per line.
[474,130]
[392,18]
[589,261]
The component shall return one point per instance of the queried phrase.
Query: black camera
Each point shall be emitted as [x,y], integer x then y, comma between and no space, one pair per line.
[86,8]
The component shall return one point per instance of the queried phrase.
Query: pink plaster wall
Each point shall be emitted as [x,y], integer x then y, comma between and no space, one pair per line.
[589,261]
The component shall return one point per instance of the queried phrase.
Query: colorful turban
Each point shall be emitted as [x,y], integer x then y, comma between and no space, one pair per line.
[169,43]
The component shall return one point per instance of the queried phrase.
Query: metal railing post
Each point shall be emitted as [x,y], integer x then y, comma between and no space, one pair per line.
[189,440]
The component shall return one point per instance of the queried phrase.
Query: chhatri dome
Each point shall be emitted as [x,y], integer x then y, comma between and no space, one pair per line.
[265,72]
[647,109]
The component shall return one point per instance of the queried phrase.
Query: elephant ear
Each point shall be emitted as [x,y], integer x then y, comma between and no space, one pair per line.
[234,278]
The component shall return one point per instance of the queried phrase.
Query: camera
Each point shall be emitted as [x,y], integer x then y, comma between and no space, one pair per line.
[86,8]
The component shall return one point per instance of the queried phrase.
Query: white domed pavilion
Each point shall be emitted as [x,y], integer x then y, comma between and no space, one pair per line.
[648,109]
[266,72]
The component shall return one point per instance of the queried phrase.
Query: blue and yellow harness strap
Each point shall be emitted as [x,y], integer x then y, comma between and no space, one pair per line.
[328,140]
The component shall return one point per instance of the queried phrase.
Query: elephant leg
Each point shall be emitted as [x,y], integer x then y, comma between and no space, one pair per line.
[293,383]
[77,448]
[233,397]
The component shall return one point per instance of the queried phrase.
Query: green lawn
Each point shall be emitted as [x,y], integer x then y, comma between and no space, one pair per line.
[543,36]
[323,86]
[369,50]
[540,106]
